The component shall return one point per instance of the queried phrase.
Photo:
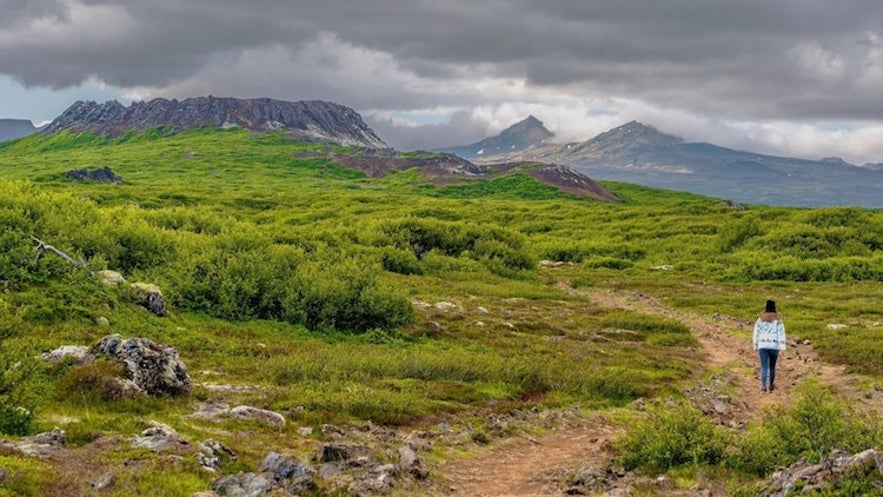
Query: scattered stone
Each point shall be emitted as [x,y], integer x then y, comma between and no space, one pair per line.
[149,297]
[284,467]
[352,455]
[55,437]
[102,175]
[159,438]
[305,431]
[732,204]
[102,321]
[446,306]
[379,479]
[410,463]
[482,310]
[332,430]
[261,415]
[104,482]
[210,411]
[815,478]
[480,324]
[210,453]
[207,493]
[664,267]
[110,278]
[156,369]
[417,441]
[835,326]
[79,353]
[243,485]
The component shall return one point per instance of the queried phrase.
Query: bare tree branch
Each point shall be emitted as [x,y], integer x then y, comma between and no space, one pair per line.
[42,247]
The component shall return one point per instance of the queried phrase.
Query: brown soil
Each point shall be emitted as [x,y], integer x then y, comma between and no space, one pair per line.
[519,466]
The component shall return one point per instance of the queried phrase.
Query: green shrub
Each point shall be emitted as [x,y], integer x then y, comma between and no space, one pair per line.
[17,371]
[817,424]
[98,381]
[672,436]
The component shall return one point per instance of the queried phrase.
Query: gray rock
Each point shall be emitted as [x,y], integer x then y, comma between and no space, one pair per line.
[159,438]
[210,454]
[285,467]
[55,437]
[353,455]
[244,485]
[101,174]
[79,353]
[156,369]
[262,415]
[410,463]
[149,297]
[816,478]
[104,482]
[294,475]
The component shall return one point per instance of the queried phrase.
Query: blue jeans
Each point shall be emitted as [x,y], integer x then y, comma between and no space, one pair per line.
[768,359]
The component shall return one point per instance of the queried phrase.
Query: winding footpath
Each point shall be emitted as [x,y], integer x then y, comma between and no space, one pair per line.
[529,466]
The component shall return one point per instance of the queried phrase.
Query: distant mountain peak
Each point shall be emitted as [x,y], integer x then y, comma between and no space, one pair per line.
[527,133]
[635,131]
[529,129]
[313,120]
[10,129]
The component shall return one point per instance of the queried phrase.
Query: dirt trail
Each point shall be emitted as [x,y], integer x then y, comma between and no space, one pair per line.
[520,467]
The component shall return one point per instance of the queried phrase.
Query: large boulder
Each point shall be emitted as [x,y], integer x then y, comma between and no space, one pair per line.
[156,369]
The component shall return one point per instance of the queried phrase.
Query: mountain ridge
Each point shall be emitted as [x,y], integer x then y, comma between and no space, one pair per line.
[637,153]
[312,120]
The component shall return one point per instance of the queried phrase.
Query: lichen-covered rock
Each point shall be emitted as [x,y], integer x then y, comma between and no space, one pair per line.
[79,353]
[150,297]
[159,438]
[812,478]
[293,474]
[262,415]
[211,453]
[244,485]
[110,278]
[353,455]
[156,369]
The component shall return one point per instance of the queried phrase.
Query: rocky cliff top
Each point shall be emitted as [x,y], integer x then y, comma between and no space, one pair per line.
[313,120]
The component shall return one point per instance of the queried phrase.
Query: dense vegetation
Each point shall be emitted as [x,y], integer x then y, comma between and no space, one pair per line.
[394,299]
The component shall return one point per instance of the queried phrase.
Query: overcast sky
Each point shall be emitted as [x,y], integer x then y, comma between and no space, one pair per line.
[793,77]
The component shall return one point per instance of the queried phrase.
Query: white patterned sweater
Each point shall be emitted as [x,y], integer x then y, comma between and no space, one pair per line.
[769,332]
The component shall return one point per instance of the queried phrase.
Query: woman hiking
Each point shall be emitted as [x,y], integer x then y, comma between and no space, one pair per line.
[769,339]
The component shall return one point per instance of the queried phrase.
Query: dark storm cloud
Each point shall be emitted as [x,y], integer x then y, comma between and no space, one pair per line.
[750,58]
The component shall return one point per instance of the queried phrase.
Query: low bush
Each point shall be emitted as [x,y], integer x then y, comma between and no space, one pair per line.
[672,436]
[817,424]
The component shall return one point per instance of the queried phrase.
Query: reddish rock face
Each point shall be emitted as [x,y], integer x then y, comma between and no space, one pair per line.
[308,120]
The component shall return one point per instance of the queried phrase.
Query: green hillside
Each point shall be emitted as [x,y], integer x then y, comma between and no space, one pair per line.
[343,299]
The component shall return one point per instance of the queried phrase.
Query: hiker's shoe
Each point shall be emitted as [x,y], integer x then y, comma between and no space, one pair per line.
[772,388]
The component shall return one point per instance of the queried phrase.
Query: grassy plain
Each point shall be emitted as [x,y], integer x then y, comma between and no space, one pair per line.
[343,299]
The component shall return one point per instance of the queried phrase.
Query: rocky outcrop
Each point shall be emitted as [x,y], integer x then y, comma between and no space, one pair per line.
[156,369]
[101,175]
[815,478]
[306,120]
